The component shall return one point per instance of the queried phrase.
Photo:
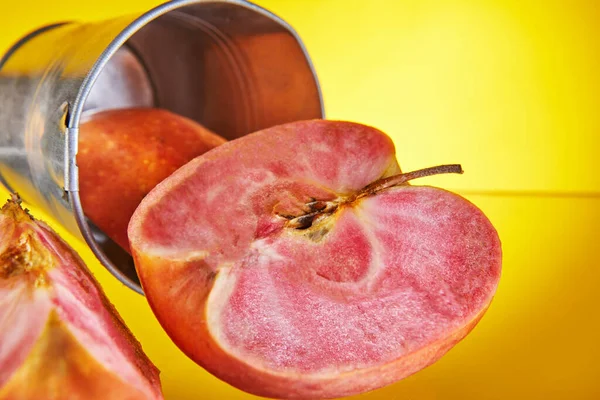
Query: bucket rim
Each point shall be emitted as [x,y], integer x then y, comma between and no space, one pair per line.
[71,177]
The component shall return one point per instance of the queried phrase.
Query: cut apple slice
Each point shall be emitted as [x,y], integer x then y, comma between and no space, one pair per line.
[296,262]
[60,338]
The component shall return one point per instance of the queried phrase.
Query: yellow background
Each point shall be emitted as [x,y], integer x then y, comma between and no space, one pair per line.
[511,90]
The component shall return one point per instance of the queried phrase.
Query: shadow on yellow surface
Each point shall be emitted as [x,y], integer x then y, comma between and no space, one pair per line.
[510,89]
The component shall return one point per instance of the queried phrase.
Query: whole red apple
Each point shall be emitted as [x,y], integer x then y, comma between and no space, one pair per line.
[297,262]
[60,337]
[124,153]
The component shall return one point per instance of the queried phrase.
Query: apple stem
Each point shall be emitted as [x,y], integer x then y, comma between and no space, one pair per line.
[318,208]
[399,179]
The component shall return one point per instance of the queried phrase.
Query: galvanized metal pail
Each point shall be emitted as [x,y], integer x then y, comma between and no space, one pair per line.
[230,65]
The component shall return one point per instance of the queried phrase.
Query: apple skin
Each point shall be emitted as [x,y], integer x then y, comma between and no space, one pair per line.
[60,337]
[370,293]
[124,153]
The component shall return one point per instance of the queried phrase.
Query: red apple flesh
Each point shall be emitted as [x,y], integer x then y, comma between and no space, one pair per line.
[297,262]
[124,153]
[60,338]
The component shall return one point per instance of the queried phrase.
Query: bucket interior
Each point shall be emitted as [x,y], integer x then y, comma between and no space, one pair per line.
[223,65]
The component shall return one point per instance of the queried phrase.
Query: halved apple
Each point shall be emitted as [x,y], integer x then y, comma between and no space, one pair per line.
[296,262]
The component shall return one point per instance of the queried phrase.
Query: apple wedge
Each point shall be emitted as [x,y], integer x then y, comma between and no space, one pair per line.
[60,338]
[297,262]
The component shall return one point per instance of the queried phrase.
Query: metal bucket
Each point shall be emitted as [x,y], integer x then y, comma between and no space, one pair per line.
[229,65]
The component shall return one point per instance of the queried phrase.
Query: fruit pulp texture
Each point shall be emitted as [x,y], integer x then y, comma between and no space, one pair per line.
[380,278]
[59,335]
[363,297]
